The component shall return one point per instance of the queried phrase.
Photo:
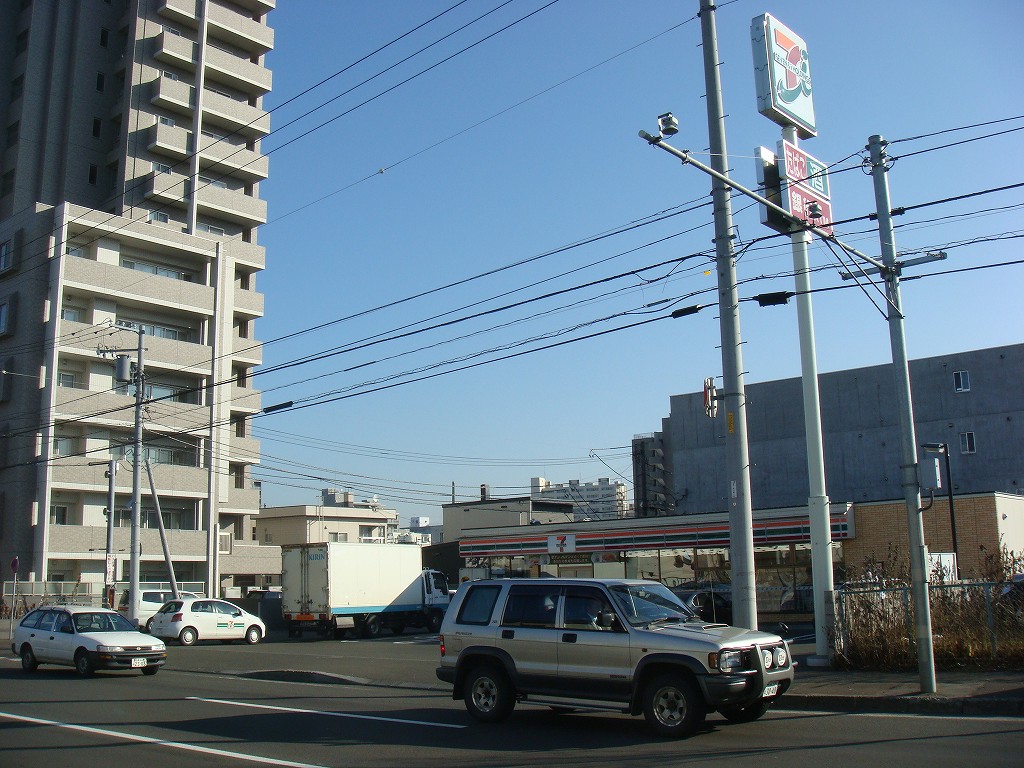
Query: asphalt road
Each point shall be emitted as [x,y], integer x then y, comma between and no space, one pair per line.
[216,705]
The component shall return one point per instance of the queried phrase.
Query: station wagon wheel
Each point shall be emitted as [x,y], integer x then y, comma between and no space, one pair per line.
[188,636]
[745,713]
[252,635]
[489,696]
[29,663]
[673,705]
[83,664]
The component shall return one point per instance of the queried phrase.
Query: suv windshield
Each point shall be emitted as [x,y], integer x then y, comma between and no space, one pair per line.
[647,603]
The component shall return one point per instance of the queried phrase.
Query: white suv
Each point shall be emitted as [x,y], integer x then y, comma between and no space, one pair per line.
[621,645]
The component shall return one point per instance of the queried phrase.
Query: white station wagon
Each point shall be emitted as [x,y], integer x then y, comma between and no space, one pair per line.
[191,619]
[86,639]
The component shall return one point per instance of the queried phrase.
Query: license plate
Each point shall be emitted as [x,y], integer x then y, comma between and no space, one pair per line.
[142,663]
[770,690]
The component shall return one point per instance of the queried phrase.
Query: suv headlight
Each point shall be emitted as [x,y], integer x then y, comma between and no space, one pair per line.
[730,661]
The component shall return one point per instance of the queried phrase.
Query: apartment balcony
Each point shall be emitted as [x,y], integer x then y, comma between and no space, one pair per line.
[170,141]
[245,400]
[219,158]
[239,31]
[90,541]
[247,351]
[242,501]
[249,254]
[114,281]
[240,74]
[174,96]
[231,205]
[169,416]
[170,480]
[249,302]
[177,51]
[260,7]
[167,188]
[245,449]
[250,558]
[235,115]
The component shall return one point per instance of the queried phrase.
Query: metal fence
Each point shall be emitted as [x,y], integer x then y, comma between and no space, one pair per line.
[31,594]
[971,621]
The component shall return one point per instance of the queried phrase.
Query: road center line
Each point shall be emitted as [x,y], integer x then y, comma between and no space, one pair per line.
[249,758]
[326,714]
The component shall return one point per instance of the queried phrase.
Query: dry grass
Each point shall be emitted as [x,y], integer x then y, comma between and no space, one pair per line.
[972,624]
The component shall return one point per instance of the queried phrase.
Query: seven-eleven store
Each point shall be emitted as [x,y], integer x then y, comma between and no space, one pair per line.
[678,550]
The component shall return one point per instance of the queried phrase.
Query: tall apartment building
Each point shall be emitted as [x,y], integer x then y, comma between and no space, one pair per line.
[592,501]
[129,205]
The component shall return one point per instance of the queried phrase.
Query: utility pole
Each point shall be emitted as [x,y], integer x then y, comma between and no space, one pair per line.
[741,524]
[126,372]
[904,406]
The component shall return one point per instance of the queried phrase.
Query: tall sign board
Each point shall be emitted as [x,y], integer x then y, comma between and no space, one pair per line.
[782,73]
[805,186]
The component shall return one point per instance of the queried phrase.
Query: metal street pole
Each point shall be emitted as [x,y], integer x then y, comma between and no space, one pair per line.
[817,498]
[741,525]
[905,409]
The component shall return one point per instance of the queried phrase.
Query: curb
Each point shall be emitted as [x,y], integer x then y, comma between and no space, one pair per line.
[921,704]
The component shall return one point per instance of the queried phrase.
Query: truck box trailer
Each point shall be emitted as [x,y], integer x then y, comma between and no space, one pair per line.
[337,586]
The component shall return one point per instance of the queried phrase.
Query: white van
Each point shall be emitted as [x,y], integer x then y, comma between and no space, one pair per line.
[152,601]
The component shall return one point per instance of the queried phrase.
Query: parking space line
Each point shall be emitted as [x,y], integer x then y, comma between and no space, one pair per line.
[349,715]
[247,757]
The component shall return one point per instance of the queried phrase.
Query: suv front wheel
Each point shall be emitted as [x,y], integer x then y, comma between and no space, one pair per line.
[489,697]
[673,705]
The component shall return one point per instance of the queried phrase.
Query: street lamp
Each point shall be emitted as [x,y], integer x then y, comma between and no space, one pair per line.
[943,448]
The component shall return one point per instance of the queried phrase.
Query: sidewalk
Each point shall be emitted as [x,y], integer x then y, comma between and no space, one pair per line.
[959,692]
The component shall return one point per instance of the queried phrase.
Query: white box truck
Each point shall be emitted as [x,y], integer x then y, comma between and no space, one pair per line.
[337,586]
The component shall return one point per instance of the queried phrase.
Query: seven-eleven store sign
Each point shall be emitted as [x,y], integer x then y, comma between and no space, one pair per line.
[806,190]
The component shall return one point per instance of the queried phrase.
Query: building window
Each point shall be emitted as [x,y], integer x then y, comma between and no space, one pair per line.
[13,133]
[74,314]
[211,182]
[161,168]
[157,269]
[961,381]
[239,425]
[238,473]
[172,332]
[63,446]
[7,183]
[21,42]
[104,37]
[268,537]
[94,173]
[101,81]
[159,216]
[170,75]
[210,229]
[967,442]
[337,537]
[17,87]
[67,379]
[97,127]
[224,542]
[58,514]
[169,121]
[5,317]
[6,256]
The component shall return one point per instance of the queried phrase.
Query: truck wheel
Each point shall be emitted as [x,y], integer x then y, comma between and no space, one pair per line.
[673,705]
[745,713]
[434,624]
[489,696]
[371,626]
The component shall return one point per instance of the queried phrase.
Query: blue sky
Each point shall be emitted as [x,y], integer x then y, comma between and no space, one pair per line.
[447,172]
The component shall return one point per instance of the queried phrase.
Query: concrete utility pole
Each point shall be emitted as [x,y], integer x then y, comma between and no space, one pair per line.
[134,597]
[905,408]
[741,524]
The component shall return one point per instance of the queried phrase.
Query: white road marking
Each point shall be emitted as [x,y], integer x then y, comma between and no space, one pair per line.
[961,718]
[249,758]
[326,714]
